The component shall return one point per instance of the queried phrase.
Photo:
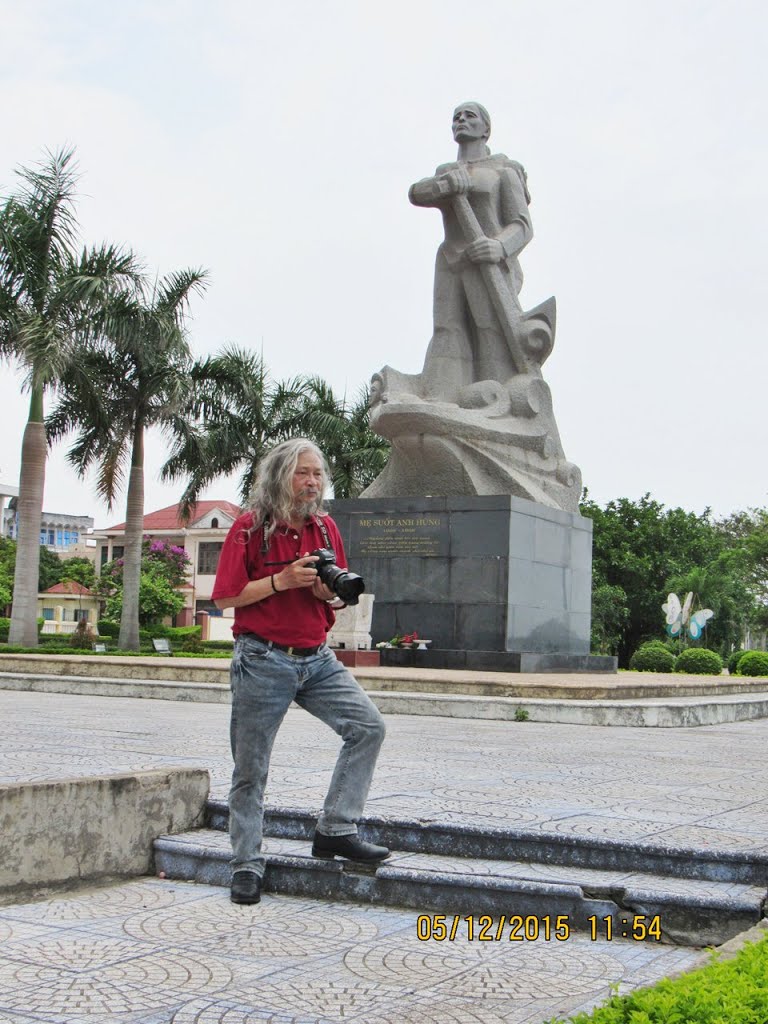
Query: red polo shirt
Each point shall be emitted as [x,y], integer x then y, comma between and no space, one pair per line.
[294,617]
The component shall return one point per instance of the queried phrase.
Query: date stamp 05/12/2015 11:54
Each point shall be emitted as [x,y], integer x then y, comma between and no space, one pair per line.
[531,928]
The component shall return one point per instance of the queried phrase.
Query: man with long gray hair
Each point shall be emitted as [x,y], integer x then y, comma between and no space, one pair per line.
[282,614]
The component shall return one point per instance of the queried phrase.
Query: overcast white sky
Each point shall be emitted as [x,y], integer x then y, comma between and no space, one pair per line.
[274,144]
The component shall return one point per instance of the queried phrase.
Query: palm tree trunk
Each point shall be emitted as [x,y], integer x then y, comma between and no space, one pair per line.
[23,628]
[134,529]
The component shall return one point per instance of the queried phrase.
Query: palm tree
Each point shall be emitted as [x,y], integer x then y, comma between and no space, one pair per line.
[48,293]
[139,378]
[355,454]
[236,413]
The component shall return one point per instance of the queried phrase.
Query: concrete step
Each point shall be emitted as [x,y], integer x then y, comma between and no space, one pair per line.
[599,902]
[467,840]
[710,706]
[562,686]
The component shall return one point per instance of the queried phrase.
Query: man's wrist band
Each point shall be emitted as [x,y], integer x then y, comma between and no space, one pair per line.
[272,579]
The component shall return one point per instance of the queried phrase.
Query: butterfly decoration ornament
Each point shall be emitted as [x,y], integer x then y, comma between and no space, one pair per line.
[678,616]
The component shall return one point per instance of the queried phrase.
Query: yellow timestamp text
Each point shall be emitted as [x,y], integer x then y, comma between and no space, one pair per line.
[533,927]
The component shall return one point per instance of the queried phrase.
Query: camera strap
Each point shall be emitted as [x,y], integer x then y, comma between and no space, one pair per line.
[265,543]
[324,531]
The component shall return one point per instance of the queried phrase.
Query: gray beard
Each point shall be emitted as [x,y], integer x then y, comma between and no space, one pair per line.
[306,509]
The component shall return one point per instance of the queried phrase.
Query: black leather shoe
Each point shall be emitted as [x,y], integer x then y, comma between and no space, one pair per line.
[351,847]
[246,887]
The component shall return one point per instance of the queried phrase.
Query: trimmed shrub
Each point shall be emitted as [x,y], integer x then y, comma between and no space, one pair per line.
[154,630]
[699,661]
[218,645]
[5,625]
[652,657]
[18,649]
[108,628]
[192,646]
[754,663]
[82,637]
[176,634]
[733,661]
[180,633]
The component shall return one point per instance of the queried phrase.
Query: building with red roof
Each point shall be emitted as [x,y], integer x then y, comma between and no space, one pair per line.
[64,604]
[202,537]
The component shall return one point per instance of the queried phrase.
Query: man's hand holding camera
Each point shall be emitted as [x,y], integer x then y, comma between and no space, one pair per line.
[301,573]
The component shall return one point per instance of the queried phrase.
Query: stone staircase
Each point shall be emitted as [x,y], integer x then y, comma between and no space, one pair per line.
[605,888]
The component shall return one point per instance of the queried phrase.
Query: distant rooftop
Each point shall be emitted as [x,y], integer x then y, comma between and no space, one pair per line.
[69,587]
[169,518]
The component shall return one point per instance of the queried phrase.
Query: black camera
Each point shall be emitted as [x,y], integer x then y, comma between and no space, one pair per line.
[346,585]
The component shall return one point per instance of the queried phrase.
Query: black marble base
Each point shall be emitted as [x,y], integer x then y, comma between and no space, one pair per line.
[497,661]
[474,575]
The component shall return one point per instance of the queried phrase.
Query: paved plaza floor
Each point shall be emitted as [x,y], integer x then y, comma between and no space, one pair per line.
[682,787]
[153,952]
[156,952]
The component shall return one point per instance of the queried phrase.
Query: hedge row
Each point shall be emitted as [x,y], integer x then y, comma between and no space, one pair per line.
[655,656]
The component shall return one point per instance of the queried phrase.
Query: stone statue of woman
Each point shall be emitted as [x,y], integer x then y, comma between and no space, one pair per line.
[478,418]
[468,343]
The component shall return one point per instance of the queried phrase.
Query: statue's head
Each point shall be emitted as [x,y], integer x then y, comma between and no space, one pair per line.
[471,121]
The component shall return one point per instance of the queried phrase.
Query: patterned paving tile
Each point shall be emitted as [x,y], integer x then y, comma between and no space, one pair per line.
[603,826]
[156,952]
[699,837]
[185,955]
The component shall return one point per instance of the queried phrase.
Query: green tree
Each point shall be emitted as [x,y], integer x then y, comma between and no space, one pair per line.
[237,413]
[115,393]
[164,568]
[80,570]
[610,616]
[745,535]
[48,292]
[7,565]
[234,415]
[356,455]
[639,546]
[49,568]
[157,598]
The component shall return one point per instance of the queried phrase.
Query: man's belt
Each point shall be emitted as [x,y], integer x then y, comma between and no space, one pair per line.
[297,652]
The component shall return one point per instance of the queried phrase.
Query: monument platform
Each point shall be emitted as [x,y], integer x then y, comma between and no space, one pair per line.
[642,699]
[495,582]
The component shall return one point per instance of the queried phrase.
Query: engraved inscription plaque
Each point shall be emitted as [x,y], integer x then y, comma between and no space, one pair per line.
[381,536]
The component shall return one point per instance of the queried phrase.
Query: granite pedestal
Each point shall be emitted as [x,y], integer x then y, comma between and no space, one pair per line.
[494,581]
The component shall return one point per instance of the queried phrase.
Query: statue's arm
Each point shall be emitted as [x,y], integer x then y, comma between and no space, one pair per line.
[518,230]
[448,180]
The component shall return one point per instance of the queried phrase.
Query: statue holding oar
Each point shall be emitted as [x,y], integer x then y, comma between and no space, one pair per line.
[478,418]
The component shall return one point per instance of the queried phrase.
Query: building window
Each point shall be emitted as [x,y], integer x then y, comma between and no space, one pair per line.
[82,614]
[208,558]
[103,555]
[117,551]
[48,614]
[214,523]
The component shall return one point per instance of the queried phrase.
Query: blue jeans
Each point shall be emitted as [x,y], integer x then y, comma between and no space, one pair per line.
[264,682]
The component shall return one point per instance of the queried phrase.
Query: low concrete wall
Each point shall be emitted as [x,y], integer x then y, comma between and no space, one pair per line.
[54,832]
